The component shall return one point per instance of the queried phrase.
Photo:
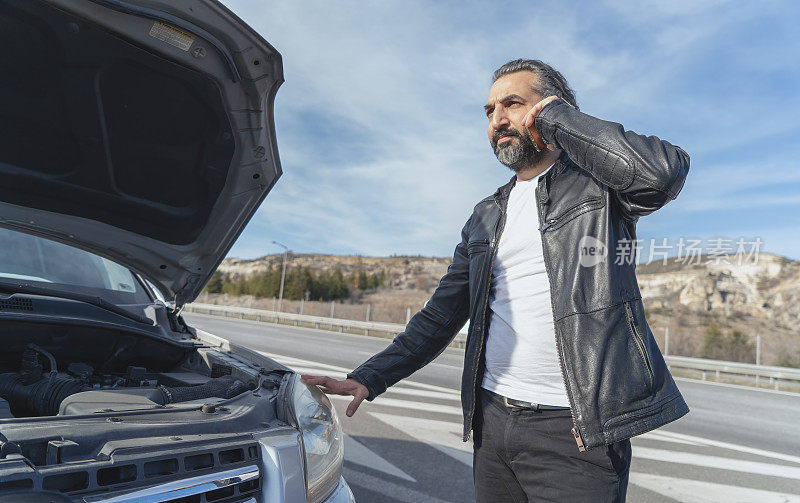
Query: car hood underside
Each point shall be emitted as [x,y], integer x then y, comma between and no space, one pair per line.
[141,130]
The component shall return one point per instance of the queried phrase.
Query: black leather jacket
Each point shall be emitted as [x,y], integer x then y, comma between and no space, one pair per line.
[615,376]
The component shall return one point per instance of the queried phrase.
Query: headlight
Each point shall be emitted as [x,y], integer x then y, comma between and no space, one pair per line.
[322,438]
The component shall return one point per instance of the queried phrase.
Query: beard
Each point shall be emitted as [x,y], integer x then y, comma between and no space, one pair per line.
[516,154]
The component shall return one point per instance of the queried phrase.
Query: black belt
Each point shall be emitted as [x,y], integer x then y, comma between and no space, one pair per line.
[521,404]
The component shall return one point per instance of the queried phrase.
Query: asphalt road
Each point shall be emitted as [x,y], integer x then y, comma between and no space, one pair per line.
[736,444]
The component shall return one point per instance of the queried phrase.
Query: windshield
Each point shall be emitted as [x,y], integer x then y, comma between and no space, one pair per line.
[57,266]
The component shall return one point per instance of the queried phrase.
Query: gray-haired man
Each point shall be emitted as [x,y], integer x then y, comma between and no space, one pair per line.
[561,367]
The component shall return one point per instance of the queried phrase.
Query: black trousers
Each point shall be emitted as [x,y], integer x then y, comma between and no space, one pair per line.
[521,455]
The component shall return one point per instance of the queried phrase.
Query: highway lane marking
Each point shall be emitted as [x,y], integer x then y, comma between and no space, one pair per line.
[448,393]
[406,404]
[396,389]
[730,446]
[291,362]
[696,491]
[659,436]
[417,427]
[315,331]
[316,371]
[444,436]
[301,364]
[362,455]
[457,367]
[718,462]
[432,387]
[422,393]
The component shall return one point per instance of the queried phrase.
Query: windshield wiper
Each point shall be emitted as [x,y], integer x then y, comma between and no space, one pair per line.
[82,297]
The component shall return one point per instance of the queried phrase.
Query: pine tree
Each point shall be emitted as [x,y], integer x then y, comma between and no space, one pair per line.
[214,284]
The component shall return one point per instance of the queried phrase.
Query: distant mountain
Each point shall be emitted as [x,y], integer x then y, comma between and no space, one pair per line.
[759,296]
[404,272]
[767,288]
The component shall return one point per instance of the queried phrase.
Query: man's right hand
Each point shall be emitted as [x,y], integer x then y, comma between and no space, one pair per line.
[331,386]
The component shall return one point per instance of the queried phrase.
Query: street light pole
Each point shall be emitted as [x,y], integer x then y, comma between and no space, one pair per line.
[283,274]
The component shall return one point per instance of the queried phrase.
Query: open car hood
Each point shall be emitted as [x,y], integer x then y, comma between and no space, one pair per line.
[139,130]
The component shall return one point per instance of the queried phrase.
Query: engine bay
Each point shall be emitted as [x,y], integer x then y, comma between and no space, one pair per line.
[38,388]
[73,400]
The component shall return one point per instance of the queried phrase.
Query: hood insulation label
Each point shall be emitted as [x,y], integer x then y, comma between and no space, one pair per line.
[172,35]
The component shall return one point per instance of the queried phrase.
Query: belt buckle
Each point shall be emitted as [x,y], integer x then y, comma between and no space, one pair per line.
[532,406]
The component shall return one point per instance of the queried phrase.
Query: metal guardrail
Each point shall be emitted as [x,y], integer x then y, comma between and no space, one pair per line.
[718,368]
[315,321]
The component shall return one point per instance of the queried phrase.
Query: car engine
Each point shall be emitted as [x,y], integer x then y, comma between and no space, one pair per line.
[88,412]
[32,392]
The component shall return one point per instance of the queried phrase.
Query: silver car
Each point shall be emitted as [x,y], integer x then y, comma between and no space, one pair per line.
[136,142]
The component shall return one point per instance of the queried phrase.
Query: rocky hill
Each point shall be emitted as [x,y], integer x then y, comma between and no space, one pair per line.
[404,272]
[768,288]
[760,296]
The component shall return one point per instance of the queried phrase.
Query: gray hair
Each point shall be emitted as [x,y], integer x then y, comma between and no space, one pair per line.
[549,80]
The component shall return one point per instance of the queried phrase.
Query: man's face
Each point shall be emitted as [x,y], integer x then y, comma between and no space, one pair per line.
[510,98]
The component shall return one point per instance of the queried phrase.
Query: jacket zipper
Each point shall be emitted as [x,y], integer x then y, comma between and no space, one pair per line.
[579,206]
[483,319]
[576,432]
[638,338]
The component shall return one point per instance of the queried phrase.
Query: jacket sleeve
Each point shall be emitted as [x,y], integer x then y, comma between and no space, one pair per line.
[428,332]
[643,172]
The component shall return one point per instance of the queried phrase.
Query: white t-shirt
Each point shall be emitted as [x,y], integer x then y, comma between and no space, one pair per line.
[521,354]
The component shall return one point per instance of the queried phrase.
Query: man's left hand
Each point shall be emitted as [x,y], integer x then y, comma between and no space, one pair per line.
[527,121]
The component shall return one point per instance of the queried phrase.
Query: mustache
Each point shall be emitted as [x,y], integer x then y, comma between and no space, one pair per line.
[505,132]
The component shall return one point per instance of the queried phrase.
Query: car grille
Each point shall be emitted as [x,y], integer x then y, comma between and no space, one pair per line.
[236,485]
[228,472]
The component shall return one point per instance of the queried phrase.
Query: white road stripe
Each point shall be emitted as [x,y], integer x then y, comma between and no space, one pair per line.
[657,435]
[356,452]
[421,393]
[298,364]
[444,436]
[733,447]
[371,353]
[458,367]
[405,404]
[413,426]
[739,465]
[394,390]
[290,361]
[695,491]
[433,387]
[319,372]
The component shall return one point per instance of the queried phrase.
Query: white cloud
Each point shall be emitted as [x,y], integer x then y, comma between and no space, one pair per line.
[401,84]
[737,185]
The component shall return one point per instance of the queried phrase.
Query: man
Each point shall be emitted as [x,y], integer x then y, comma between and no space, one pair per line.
[561,367]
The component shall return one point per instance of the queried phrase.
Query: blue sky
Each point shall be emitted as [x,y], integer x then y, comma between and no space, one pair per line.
[381,130]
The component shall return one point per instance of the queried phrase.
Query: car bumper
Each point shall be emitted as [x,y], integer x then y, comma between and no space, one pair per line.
[283,463]
[342,494]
